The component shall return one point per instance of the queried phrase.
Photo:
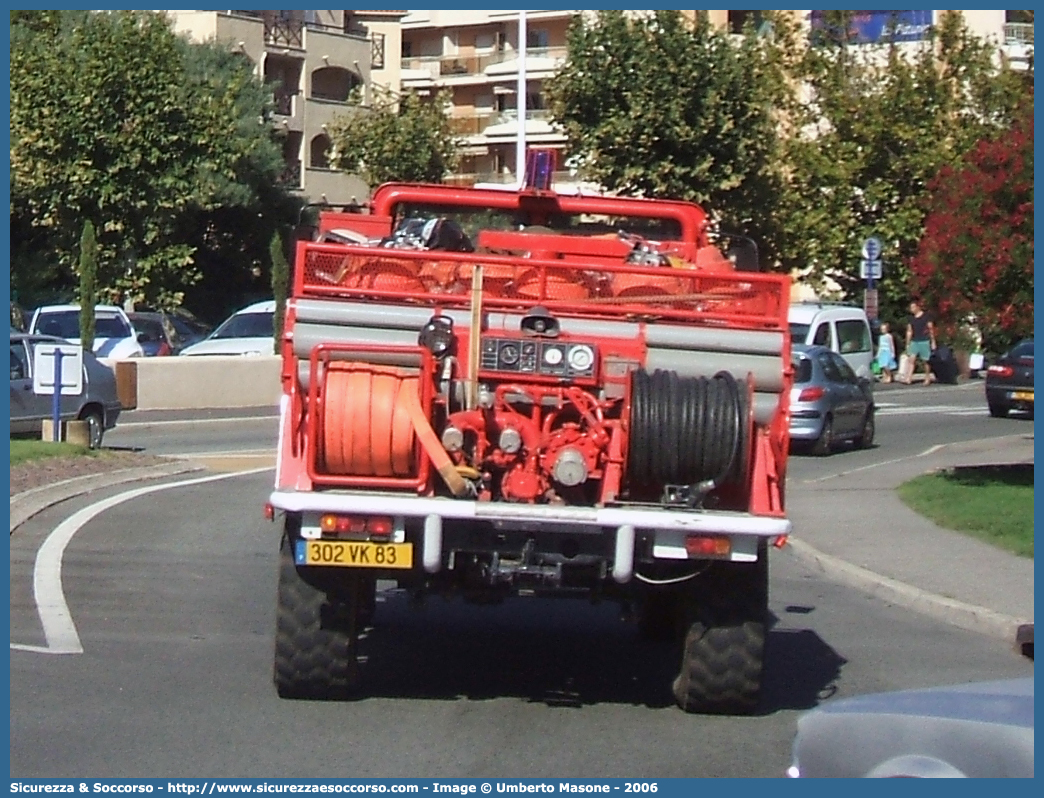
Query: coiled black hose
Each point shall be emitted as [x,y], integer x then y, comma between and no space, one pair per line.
[686,430]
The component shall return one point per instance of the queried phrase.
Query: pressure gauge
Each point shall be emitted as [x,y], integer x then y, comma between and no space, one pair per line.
[553,356]
[581,358]
[509,354]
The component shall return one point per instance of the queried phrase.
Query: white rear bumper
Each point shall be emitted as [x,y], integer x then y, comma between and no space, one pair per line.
[669,525]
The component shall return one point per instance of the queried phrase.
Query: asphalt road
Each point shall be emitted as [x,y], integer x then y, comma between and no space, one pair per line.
[193,434]
[912,419]
[172,597]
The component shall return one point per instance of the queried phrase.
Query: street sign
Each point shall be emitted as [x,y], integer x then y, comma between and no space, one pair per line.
[870,303]
[872,248]
[71,369]
[870,269]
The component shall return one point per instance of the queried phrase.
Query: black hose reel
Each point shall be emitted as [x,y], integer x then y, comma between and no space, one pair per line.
[688,435]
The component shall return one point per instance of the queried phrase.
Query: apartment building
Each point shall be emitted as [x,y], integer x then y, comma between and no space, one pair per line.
[313,61]
[474,57]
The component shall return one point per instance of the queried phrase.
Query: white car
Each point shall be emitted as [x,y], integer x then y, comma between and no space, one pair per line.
[249,331]
[842,328]
[114,335]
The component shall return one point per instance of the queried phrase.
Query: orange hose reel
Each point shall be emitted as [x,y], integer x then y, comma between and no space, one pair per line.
[372,418]
[367,429]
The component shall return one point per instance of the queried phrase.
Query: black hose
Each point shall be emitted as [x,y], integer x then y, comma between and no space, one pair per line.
[686,430]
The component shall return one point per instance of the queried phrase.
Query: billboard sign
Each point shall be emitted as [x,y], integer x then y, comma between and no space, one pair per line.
[874,27]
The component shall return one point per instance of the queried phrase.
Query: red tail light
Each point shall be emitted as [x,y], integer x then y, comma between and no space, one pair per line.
[1001,371]
[164,349]
[380,525]
[708,546]
[811,394]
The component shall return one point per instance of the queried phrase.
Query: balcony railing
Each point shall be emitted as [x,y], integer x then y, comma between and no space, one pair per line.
[470,125]
[290,177]
[454,65]
[475,124]
[377,50]
[532,114]
[283,31]
[1018,33]
[284,102]
[502,178]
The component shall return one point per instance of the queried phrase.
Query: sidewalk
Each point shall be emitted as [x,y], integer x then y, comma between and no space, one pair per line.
[859,532]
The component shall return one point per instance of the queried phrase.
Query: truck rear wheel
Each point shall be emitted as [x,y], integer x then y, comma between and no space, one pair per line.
[317,629]
[724,644]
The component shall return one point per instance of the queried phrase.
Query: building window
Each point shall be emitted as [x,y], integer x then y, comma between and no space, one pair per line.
[319,152]
[738,19]
[537,39]
[334,84]
[377,51]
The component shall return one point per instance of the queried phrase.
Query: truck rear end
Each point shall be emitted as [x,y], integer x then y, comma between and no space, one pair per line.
[492,393]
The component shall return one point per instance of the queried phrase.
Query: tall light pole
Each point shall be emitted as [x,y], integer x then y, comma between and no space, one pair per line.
[520,141]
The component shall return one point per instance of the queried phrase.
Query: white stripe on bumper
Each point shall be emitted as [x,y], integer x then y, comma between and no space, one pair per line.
[693,521]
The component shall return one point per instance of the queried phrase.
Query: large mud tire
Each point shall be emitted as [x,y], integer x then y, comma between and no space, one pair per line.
[724,645]
[317,630]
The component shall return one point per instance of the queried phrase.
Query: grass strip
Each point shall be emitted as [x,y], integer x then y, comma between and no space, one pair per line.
[992,503]
[25,450]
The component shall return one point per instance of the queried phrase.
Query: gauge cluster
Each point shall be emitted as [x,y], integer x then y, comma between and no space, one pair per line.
[546,358]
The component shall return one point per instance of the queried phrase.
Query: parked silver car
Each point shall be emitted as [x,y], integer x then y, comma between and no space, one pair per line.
[97,404]
[829,404]
[978,730]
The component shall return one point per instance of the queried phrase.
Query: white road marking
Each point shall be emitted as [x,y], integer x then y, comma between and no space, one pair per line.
[925,453]
[915,410]
[855,470]
[237,419]
[58,627]
[226,453]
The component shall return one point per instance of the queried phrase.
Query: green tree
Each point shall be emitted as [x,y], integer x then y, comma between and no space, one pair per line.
[88,284]
[656,105]
[116,119]
[974,265]
[875,127]
[280,285]
[399,137]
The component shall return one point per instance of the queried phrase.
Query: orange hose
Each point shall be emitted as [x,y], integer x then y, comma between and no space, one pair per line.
[372,419]
[366,424]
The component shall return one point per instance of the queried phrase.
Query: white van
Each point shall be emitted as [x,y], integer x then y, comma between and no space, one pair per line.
[843,328]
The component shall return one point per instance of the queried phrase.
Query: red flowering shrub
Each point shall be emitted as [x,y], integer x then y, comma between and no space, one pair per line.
[975,260]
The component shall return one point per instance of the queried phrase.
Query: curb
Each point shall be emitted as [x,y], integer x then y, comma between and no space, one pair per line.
[957,613]
[28,503]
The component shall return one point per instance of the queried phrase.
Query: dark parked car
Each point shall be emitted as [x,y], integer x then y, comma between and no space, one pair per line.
[1009,381]
[979,730]
[97,404]
[189,329]
[155,334]
[829,404]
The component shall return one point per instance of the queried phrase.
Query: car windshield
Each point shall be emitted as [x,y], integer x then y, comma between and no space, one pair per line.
[246,325]
[1023,350]
[150,327]
[798,332]
[186,329]
[66,324]
[802,369]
